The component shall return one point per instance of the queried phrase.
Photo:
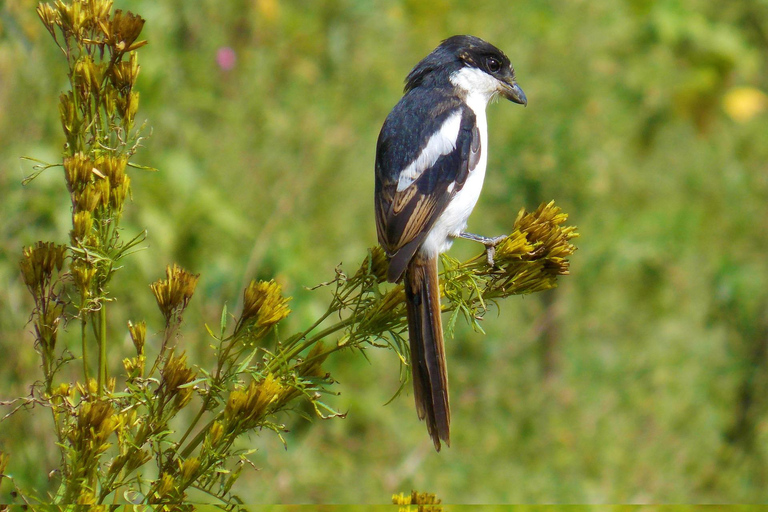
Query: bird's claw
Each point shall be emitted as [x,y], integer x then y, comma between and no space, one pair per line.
[490,248]
[489,243]
[490,252]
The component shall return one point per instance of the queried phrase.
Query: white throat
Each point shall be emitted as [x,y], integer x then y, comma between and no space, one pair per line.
[479,86]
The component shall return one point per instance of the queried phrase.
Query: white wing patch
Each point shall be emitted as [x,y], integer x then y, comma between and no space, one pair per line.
[440,143]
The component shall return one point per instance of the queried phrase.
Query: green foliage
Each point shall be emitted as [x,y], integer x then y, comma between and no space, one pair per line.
[646,122]
[126,444]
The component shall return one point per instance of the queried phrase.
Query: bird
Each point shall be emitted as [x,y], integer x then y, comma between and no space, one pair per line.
[431,157]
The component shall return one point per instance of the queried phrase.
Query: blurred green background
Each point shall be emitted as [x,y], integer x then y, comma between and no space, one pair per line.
[641,379]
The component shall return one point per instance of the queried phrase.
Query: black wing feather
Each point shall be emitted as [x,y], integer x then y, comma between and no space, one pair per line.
[404,218]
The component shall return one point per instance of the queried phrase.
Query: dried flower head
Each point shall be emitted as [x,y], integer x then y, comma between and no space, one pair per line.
[87,199]
[82,224]
[47,324]
[532,257]
[127,106]
[312,365]
[88,390]
[115,184]
[82,273]
[68,117]
[64,390]
[85,77]
[49,16]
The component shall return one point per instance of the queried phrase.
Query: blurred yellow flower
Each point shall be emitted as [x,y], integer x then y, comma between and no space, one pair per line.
[744,103]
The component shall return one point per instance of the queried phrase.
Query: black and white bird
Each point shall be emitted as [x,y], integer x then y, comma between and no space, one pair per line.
[430,165]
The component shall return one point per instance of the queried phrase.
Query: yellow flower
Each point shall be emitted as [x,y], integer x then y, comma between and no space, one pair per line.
[215,434]
[188,468]
[138,334]
[744,103]
[166,485]
[78,168]
[175,374]
[125,29]
[427,502]
[38,263]
[263,305]
[248,407]
[174,293]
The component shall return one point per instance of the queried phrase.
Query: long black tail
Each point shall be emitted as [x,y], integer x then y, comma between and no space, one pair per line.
[425,332]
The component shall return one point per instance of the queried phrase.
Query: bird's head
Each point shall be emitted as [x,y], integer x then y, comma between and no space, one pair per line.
[472,65]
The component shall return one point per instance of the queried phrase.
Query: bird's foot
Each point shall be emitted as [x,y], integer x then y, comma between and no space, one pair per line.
[489,243]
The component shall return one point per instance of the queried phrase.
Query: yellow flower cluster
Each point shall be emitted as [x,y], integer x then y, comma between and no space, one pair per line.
[174,293]
[38,264]
[426,502]
[263,307]
[175,374]
[246,408]
[79,18]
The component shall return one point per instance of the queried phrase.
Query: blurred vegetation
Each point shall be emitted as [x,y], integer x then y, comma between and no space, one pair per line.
[641,379]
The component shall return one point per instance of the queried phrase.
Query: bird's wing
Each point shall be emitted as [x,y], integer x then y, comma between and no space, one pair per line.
[412,191]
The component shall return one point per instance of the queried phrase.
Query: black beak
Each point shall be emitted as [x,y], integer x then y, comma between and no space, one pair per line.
[513,92]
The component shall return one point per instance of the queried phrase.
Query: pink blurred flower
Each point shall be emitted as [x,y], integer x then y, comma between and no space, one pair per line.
[226,58]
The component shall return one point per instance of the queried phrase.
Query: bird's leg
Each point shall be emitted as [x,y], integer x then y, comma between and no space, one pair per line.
[489,243]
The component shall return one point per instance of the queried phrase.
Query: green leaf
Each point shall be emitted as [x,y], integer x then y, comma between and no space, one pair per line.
[210,332]
[223,321]
[194,382]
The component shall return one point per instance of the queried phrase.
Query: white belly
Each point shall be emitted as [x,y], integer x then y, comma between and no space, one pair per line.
[453,221]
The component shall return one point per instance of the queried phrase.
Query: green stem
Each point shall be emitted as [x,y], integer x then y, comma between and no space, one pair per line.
[83,340]
[194,421]
[320,320]
[170,331]
[197,439]
[102,346]
[223,354]
[295,351]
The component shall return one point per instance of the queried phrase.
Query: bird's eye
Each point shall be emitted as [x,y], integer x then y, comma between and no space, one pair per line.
[493,65]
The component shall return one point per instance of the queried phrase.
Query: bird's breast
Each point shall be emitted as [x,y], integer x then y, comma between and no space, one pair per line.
[453,221]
